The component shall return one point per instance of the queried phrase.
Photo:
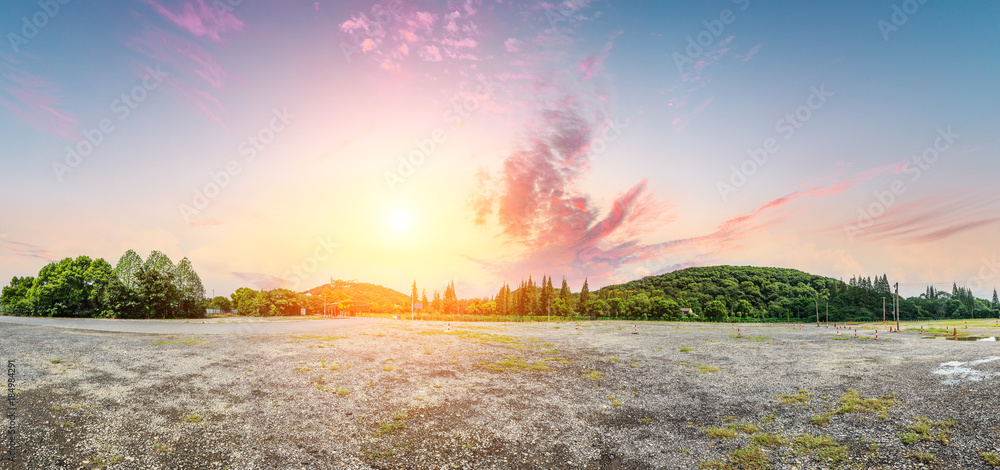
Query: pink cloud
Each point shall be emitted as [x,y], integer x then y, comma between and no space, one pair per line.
[188,64]
[27,250]
[430,54]
[200,19]
[31,99]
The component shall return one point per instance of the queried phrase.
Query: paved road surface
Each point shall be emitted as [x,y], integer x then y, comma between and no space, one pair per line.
[238,326]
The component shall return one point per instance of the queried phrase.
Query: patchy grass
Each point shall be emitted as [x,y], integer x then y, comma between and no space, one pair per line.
[388,368]
[822,419]
[751,338]
[686,349]
[748,428]
[318,337]
[716,432]
[750,458]
[801,397]
[398,422]
[595,376]
[193,418]
[182,341]
[990,458]
[922,457]
[707,369]
[160,447]
[824,448]
[851,402]
[769,440]
[56,361]
[926,430]
[513,364]
[343,392]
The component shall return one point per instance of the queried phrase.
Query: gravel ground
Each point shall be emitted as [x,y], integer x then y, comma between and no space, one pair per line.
[396,394]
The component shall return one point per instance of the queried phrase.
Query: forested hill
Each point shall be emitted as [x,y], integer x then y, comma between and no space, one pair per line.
[769,289]
[376,295]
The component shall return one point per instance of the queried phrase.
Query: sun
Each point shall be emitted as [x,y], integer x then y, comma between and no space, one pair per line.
[400,220]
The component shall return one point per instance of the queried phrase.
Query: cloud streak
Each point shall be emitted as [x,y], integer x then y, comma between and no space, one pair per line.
[32,99]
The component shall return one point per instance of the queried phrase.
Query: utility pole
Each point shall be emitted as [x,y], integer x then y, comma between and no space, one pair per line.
[897,306]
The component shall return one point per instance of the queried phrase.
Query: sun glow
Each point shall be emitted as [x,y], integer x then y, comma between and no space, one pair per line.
[400,220]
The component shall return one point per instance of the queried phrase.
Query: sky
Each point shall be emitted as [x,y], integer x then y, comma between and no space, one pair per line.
[284,143]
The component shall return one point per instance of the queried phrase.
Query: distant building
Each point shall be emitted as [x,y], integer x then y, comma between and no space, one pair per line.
[687,312]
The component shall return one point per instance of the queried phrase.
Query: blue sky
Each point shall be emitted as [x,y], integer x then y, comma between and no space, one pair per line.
[557,138]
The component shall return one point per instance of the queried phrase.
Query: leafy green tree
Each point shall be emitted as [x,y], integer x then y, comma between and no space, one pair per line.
[127,269]
[14,298]
[584,293]
[450,303]
[413,293]
[157,292]
[743,308]
[221,303]
[639,305]
[616,307]
[716,310]
[242,297]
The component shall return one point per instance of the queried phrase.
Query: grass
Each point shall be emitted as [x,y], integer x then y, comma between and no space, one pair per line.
[926,430]
[801,397]
[716,432]
[514,364]
[388,368]
[922,457]
[343,392]
[686,349]
[748,428]
[824,448]
[398,422]
[595,376]
[160,447]
[750,458]
[852,402]
[183,341]
[707,369]
[752,338]
[56,361]
[193,418]
[990,458]
[769,440]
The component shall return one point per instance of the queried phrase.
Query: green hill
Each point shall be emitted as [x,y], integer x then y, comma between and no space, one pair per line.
[777,291]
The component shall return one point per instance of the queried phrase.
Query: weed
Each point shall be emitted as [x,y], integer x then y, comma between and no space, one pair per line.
[910,438]
[56,361]
[183,341]
[707,369]
[160,447]
[343,392]
[825,448]
[193,418]
[822,419]
[388,368]
[686,349]
[767,419]
[615,359]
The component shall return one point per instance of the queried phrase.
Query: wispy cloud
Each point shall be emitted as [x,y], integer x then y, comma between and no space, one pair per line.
[27,250]
[201,19]
[932,218]
[194,72]
[32,99]
[450,34]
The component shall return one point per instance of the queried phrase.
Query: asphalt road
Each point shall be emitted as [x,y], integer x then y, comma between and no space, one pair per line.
[223,326]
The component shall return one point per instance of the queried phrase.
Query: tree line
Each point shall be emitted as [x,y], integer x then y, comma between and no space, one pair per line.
[85,287]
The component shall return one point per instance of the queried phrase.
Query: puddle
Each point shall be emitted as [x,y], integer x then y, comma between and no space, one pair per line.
[956,372]
[964,338]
